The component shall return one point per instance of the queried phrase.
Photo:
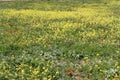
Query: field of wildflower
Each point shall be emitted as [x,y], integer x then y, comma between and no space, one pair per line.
[57,40]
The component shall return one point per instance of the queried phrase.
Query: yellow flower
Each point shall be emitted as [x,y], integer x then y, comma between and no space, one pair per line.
[22,71]
[116,63]
[35,72]
[96,65]
[49,77]
[90,68]
[12,57]
[45,78]
[118,67]
[115,79]
[57,72]
[43,67]
[102,70]
[97,54]
[86,58]
[46,70]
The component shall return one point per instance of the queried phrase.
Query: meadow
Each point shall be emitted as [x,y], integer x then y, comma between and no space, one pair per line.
[59,40]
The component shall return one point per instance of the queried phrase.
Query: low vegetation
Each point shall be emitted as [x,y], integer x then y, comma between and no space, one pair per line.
[47,40]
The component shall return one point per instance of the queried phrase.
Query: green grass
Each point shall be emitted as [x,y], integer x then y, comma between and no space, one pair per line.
[44,40]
